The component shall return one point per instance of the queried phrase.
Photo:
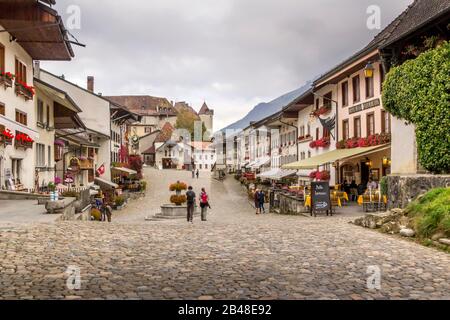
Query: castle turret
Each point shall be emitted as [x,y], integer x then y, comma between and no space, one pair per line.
[207,117]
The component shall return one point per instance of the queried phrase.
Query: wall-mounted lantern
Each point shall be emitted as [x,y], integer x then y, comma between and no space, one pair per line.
[368,70]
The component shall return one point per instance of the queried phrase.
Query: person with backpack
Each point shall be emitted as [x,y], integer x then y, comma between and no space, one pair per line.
[204,203]
[261,200]
[190,196]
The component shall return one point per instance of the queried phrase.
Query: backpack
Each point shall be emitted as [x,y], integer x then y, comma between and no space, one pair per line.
[204,197]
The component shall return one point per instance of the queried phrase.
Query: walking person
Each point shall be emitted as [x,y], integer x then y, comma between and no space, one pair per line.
[193,173]
[204,203]
[198,173]
[256,199]
[190,196]
[261,200]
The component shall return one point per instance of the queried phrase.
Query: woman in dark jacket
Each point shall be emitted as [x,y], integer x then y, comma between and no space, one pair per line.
[256,199]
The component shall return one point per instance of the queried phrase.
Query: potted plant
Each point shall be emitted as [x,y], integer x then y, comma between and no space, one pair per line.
[177,198]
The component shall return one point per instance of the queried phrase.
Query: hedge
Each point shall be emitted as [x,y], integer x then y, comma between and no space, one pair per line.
[418,91]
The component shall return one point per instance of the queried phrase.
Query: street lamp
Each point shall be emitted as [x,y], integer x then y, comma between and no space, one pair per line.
[368,70]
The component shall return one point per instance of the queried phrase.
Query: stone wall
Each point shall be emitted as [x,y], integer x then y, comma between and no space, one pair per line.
[290,205]
[15,195]
[403,189]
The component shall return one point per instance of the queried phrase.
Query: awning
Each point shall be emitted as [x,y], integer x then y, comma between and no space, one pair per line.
[332,156]
[269,174]
[106,184]
[260,163]
[124,170]
[15,126]
[283,174]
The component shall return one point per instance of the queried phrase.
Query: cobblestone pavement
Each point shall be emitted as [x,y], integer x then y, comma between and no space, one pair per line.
[235,255]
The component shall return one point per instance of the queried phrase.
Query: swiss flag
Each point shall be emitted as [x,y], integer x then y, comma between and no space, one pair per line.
[101,170]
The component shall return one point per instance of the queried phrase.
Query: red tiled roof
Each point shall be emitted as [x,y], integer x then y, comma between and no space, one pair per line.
[181,106]
[145,105]
[205,110]
[166,133]
[151,150]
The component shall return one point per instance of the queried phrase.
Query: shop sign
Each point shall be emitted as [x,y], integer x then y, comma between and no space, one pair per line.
[364,106]
[320,196]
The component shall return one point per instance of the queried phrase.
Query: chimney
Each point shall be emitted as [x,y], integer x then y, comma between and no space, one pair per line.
[90,83]
[37,69]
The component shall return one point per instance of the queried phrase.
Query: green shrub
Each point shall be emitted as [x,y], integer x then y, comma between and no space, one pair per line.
[418,91]
[119,201]
[431,213]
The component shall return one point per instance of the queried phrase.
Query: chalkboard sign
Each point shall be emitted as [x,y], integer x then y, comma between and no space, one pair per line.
[320,196]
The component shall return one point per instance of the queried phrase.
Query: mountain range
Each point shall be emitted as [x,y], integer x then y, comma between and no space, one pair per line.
[265,109]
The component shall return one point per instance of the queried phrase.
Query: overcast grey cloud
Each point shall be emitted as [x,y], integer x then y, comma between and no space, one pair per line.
[231,53]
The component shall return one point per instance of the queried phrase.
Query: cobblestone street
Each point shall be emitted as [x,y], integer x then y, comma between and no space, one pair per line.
[235,255]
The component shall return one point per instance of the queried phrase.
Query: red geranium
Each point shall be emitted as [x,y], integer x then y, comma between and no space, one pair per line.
[24,138]
[313,174]
[7,75]
[26,87]
[8,134]
[323,175]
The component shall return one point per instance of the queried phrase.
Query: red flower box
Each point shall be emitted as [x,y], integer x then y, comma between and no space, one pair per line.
[24,90]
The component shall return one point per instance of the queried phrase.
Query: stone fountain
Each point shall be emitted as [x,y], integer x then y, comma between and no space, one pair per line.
[177,209]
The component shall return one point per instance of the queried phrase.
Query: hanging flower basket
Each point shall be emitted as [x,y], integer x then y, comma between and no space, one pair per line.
[59,142]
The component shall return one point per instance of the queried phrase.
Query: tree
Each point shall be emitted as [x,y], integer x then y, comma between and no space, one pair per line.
[419,92]
[186,120]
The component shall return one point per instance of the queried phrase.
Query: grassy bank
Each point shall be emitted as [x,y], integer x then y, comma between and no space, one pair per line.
[431,213]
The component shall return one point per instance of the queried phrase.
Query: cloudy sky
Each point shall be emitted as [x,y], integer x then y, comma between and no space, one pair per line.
[231,53]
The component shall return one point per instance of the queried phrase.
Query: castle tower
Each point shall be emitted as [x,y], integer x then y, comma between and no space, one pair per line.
[207,117]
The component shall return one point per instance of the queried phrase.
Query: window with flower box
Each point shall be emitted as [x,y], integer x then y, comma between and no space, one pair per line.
[21,71]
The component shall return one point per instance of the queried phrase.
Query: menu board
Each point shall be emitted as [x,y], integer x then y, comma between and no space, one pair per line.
[320,196]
